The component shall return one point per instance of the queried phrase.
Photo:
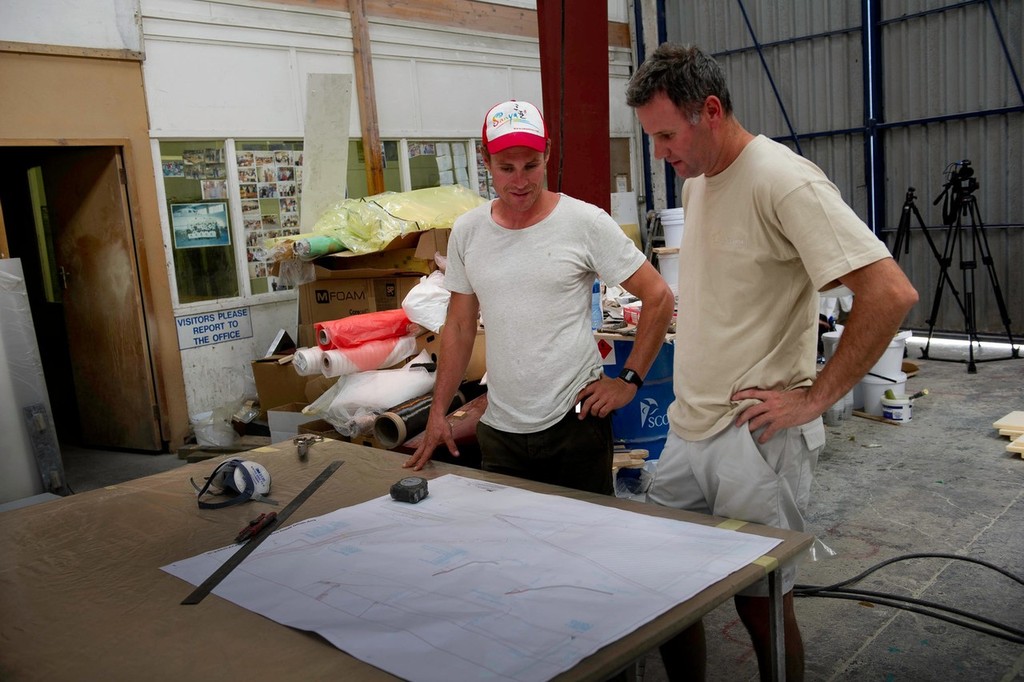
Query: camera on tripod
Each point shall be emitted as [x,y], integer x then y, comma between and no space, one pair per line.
[960,183]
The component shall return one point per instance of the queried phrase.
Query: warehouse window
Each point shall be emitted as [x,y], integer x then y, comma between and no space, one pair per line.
[226,198]
[270,194]
[438,163]
[201,244]
[357,183]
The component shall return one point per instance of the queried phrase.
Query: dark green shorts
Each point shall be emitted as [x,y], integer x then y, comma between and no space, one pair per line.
[572,453]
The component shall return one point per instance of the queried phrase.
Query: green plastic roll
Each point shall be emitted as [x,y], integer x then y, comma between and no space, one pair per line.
[317,245]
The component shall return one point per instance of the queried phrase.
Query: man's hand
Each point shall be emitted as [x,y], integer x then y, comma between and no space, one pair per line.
[777,410]
[600,397]
[438,431]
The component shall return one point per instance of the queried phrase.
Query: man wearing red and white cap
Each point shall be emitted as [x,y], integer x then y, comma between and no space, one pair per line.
[526,263]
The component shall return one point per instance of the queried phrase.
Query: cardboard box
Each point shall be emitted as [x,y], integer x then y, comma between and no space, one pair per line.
[349,284]
[277,384]
[332,298]
[431,342]
[284,421]
[412,254]
[321,427]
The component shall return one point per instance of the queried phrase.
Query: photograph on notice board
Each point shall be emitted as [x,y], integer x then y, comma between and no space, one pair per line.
[200,225]
[215,189]
[175,168]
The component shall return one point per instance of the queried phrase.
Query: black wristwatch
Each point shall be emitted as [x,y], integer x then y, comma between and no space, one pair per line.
[631,377]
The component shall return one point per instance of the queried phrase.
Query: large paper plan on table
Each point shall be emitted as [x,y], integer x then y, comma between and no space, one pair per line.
[477,581]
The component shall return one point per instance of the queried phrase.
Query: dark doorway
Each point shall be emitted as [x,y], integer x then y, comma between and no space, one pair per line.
[66,217]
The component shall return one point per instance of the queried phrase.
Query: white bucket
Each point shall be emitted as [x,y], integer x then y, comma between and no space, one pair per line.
[829,341]
[668,266]
[889,364]
[672,224]
[673,234]
[874,388]
[898,410]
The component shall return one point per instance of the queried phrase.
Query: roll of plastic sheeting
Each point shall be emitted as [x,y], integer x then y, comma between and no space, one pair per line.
[317,245]
[351,405]
[371,355]
[463,421]
[308,361]
[401,422]
[356,330]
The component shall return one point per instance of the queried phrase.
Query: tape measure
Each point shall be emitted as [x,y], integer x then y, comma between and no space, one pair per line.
[410,489]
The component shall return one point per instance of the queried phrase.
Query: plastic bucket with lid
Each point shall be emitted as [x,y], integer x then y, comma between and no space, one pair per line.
[892,358]
[874,387]
[899,409]
[668,266]
[672,224]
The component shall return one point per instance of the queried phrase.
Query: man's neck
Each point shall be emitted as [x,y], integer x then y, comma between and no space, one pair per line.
[517,220]
[735,138]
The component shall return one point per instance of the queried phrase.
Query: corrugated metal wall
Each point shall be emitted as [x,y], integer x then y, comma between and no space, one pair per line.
[947,88]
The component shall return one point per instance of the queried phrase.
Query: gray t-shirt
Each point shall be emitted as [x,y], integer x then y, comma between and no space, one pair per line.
[534,286]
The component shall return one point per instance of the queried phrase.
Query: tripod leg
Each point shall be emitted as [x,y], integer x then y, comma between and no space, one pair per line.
[902,243]
[967,267]
[939,259]
[944,261]
[986,257]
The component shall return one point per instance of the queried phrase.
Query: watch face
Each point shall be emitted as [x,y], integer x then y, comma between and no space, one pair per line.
[631,377]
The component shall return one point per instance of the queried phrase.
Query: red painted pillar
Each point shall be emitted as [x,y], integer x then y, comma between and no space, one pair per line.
[574,80]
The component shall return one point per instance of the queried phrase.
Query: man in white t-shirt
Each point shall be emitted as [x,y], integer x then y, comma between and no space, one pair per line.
[765,232]
[526,263]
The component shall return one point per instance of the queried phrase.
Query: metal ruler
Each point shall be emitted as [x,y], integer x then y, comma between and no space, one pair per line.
[254,542]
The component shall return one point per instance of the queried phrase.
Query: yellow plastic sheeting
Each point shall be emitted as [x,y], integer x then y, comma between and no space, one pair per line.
[369,224]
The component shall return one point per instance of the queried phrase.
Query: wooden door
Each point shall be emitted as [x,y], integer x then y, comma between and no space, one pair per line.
[106,331]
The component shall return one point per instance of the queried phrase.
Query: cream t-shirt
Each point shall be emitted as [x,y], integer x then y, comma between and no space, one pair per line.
[761,238]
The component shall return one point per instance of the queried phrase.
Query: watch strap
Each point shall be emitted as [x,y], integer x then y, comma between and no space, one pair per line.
[631,377]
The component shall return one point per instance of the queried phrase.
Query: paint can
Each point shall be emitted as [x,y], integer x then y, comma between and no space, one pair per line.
[899,409]
[874,388]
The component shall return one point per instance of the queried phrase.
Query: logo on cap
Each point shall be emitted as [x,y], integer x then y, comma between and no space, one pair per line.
[514,124]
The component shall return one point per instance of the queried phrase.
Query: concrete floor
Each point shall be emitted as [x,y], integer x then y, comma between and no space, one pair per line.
[942,483]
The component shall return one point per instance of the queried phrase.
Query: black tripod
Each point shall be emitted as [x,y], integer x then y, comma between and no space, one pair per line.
[902,243]
[960,203]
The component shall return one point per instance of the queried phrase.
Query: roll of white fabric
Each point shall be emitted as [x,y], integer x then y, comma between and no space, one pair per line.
[308,361]
[369,356]
[335,363]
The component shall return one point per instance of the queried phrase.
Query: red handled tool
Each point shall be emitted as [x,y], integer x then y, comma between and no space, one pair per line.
[255,526]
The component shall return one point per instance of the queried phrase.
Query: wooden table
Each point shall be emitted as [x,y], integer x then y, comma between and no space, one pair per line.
[82,595]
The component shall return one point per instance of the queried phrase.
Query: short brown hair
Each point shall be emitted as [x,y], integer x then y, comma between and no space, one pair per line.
[685,73]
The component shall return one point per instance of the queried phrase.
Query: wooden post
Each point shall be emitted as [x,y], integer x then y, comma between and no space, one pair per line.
[367,97]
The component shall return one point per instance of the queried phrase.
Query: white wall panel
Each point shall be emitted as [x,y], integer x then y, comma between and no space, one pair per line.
[99,24]
[197,89]
[446,105]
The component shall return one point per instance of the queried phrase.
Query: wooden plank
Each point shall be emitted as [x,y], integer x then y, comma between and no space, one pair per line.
[464,14]
[876,418]
[1013,421]
[366,95]
[1017,446]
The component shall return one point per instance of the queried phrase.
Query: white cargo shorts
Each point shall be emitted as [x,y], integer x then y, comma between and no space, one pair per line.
[731,475]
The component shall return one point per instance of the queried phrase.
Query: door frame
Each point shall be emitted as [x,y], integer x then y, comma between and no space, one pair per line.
[124,147]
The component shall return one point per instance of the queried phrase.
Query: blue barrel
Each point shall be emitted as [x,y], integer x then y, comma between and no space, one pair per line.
[643,423]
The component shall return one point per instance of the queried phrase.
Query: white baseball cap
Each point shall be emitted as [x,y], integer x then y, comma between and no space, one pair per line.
[514,124]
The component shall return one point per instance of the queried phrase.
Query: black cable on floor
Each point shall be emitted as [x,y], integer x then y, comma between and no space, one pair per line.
[840,591]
